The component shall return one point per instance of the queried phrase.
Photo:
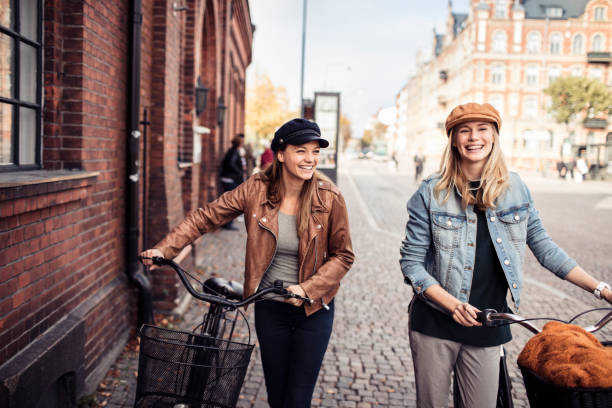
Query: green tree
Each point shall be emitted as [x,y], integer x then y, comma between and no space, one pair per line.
[575,97]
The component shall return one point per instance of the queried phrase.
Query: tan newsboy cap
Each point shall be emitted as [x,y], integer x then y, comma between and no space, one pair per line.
[470,112]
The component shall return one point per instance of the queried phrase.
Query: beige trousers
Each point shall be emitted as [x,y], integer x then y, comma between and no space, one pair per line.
[434,360]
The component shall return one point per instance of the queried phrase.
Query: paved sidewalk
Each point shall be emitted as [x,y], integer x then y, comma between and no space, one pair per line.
[368,361]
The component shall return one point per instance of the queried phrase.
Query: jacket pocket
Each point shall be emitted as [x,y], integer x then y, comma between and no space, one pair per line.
[446,230]
[514,221]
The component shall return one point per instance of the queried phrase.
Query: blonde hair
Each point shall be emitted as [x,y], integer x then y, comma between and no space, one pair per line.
[493,181]
[275,192]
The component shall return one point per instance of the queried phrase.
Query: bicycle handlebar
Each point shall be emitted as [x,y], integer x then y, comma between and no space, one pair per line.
[276,289]
[489,317]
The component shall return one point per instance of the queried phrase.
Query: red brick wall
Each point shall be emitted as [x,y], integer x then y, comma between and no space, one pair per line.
[64,240]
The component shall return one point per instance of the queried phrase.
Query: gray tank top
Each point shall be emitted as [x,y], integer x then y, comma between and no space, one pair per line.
[285,265]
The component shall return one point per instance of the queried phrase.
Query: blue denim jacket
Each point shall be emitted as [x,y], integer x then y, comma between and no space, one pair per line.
[439,247]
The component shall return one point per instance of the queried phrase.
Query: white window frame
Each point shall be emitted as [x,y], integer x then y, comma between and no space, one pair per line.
[498,74]
[555,46]
[530,106]
[598,43]
[599,14]
[532,76]
[500,41]
[553,69]
[578,40]
[534,42]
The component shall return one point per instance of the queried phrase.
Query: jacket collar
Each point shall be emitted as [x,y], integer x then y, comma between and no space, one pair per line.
[317,202]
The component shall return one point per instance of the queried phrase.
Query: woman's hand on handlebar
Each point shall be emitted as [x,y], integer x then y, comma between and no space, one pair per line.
[465,315]
[145,257]
[296,289]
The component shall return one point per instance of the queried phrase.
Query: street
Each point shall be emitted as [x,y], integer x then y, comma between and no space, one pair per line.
[368,361]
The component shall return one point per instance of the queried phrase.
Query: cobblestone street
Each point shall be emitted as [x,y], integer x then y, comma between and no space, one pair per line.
[368,362]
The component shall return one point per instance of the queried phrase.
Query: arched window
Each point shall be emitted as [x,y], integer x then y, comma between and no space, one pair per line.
[556,43]
[499,41]
[598,43]
[578,44]
[534,42]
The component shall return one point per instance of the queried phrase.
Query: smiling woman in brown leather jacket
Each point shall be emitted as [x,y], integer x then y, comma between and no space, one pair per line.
[297,230]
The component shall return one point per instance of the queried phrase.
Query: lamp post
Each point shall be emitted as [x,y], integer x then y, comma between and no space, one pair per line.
[302,70]
[201,93]
[221,108]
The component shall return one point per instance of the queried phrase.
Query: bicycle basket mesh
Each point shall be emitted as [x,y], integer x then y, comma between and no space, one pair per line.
[177,367]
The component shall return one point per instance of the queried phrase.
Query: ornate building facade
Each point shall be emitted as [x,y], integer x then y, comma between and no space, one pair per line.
[505,52]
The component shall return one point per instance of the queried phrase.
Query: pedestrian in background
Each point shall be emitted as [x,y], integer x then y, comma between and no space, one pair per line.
[298,232]
[464,249]
[267,157]
[419,162]
[232,171]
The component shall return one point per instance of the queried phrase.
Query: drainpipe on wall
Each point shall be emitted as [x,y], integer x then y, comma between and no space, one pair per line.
[134,269]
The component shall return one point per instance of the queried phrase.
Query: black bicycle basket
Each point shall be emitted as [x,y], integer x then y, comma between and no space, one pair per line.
[544,394]
[178,367]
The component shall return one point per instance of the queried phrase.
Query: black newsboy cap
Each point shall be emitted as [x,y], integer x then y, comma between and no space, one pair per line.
[296,132]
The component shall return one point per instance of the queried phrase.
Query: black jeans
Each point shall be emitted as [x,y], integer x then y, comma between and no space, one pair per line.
[292,348]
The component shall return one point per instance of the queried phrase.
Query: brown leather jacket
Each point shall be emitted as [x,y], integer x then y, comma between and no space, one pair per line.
[325,255]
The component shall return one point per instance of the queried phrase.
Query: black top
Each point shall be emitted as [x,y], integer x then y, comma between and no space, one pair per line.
[489,289]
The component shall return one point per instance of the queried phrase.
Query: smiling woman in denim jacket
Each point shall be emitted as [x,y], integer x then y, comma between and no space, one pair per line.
[464,248]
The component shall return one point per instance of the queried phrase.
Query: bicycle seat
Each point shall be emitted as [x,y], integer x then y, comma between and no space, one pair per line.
[231,290]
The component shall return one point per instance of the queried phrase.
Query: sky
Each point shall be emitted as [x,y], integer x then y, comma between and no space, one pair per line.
[364,49]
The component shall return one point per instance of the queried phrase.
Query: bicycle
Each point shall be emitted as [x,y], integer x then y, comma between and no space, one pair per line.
[207,366]
[540,392]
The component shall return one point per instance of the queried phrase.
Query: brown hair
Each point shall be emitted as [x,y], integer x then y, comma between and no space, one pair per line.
[493,182]
[275,193]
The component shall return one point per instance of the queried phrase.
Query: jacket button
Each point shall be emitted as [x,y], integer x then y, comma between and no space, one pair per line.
[319,226]
[516,217]
[506,262]
[492,219]
[264,219]
[514,285]
[320,183]
[449,223]
[418,288]
[254,215]
[499,240]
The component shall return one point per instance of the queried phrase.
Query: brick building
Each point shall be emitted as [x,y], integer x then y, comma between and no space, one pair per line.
[506,52]
[105,144]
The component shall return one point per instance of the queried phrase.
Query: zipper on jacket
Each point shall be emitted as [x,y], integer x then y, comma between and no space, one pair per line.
[273,256]
[314,270]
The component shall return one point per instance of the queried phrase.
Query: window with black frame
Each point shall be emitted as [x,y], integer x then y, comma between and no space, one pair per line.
[20,84]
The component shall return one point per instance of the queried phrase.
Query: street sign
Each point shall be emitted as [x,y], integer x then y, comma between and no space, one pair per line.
[327,116]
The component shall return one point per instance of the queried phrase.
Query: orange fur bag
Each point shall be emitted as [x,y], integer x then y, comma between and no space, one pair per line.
[567,355]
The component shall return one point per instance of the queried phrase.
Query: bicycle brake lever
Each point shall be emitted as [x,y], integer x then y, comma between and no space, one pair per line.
[484,317]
